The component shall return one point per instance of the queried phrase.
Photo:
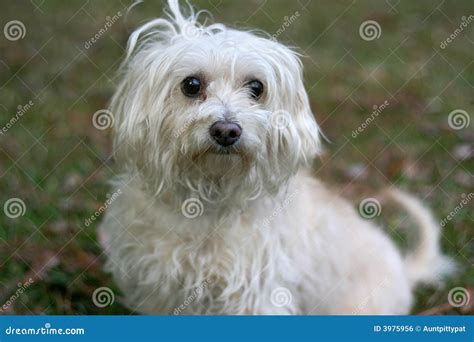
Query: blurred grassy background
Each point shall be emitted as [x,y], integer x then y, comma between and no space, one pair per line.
[58,163]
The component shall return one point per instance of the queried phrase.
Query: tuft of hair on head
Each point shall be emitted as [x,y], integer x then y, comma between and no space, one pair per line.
[167,30]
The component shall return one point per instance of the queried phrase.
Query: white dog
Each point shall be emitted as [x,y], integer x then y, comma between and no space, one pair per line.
[214,132]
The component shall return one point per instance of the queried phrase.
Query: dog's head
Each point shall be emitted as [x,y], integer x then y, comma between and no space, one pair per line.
[214,110]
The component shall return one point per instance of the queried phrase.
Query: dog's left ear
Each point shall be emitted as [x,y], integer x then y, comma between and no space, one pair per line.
[301,130]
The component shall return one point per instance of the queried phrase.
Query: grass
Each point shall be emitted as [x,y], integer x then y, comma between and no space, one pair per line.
[58,163]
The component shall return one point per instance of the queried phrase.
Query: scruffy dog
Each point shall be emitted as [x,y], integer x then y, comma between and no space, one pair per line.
[218,213]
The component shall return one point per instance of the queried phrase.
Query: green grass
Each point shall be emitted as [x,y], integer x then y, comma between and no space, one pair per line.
[59,164]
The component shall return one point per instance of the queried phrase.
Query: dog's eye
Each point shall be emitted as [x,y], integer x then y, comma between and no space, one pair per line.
[191,86]
[256,88]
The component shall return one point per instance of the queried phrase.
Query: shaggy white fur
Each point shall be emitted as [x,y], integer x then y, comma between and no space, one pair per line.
[202,228]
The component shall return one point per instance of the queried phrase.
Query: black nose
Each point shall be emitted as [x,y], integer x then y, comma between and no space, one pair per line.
[225,133]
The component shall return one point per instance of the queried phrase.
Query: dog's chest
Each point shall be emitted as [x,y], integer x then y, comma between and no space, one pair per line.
[225,270]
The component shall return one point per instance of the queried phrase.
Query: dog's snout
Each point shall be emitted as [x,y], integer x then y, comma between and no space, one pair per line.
[225,133]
